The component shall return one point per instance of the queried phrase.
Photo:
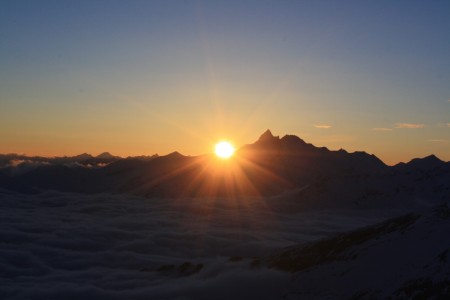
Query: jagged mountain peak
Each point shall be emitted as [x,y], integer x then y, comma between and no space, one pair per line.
[105,155]
[292,140]
[174,154]
[83,156]
[432,158]
[430,161]
[267,136]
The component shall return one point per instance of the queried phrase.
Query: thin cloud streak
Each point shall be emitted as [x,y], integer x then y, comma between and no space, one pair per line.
[381,129]
[322,126]
[438,141]
[409,125]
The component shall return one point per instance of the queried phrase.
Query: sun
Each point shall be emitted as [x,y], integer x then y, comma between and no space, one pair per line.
[224,150]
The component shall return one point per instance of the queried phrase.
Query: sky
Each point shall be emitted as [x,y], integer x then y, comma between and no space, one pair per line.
[146,77]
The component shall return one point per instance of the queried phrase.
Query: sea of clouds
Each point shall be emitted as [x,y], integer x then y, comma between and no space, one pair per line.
[68,246]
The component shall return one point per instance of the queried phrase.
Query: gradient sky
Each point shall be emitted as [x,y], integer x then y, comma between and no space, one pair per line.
[145,77]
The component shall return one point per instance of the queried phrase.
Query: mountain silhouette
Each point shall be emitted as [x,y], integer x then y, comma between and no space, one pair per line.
[300,162]
[269,166]
[428,162]
[105,155]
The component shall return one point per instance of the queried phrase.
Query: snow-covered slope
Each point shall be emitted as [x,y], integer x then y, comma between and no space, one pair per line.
[403,258]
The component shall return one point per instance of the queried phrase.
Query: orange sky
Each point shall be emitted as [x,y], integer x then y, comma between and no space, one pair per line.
[162,76]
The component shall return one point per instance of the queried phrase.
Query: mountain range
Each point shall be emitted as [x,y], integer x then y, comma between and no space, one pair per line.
[286,167]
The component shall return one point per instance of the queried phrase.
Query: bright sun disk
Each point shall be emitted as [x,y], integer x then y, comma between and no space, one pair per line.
[224,149]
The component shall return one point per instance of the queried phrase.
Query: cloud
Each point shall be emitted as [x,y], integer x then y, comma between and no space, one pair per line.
[409,125]
[119,242]
[438,141]
[322,126]
[381,129]
[21,166]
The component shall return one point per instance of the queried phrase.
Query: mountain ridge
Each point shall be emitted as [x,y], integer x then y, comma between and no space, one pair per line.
[269,166]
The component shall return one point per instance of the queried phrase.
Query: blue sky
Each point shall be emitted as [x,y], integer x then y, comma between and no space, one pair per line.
[144,77]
